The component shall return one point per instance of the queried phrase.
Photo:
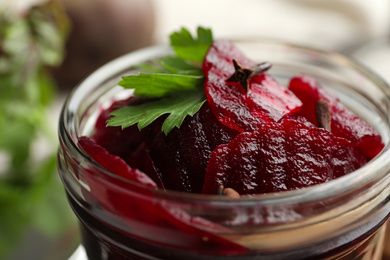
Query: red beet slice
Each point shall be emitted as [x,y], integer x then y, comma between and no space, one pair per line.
[280,157]
[182,155]
[269,100]
[229,105]
[114,163]
[175,162]
[115,140]
[147,219]
[243,165]
[344,123]
[129,143]
[219,58]
[141,160]
[266,100]
[316,156]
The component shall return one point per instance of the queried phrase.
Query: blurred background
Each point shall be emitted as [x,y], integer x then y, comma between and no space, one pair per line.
[48,46]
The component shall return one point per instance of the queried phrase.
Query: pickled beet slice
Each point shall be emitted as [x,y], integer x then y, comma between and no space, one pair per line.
[316,156]
[243,165]
[266,100]
[128,143]
[344,123]
[219,58]
[163,223]
[114,163]
[141,160]
[182,155]
[157,222]
[278,157]
[269,100]
[115,140]
[175,162]
[229,105]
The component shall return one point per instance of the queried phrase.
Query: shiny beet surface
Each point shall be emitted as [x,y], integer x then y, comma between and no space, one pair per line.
[257,140]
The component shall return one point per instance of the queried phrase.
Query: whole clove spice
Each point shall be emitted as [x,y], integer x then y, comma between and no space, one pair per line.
[242,75]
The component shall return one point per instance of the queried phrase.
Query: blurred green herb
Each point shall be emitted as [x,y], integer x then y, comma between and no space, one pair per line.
[31,43]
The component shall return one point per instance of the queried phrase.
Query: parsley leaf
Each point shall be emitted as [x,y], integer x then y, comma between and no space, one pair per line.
[189,48]
[177,65]
[149,67]
[175,84]
[159,84]
[170,65]
[177,106]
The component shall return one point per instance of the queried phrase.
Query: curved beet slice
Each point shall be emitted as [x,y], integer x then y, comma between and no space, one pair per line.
[286,156]
[269,100]
[114,163]
[175,162]
[219,58]
[156,222]
[115,140]
[182,155]
[140,159]
[244,166]
[227,100]
[316,156]
[265,101]
[229,104]
[344,123]
[129,143]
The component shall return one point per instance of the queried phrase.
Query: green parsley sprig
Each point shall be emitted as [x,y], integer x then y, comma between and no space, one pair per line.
[176,86]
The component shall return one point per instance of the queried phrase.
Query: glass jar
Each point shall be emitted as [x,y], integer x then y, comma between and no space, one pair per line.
[342,219]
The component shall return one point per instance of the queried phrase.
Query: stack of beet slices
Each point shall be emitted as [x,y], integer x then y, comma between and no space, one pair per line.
[260,138]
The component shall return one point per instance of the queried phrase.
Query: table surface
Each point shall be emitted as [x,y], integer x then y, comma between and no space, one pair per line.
[79,254]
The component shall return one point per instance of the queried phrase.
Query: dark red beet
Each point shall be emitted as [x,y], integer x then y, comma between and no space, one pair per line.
[344,123]
[316,156]
[279,157]
[219,58]
[243,166]
[177,161]
[115,140]
[140,159]
[128,143]
[114,163]
[144,216]
[269,100]
[265,101]
[158,217]
[228,102]
[183,154]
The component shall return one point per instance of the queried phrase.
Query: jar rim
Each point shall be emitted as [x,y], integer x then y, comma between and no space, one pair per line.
[367,174]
